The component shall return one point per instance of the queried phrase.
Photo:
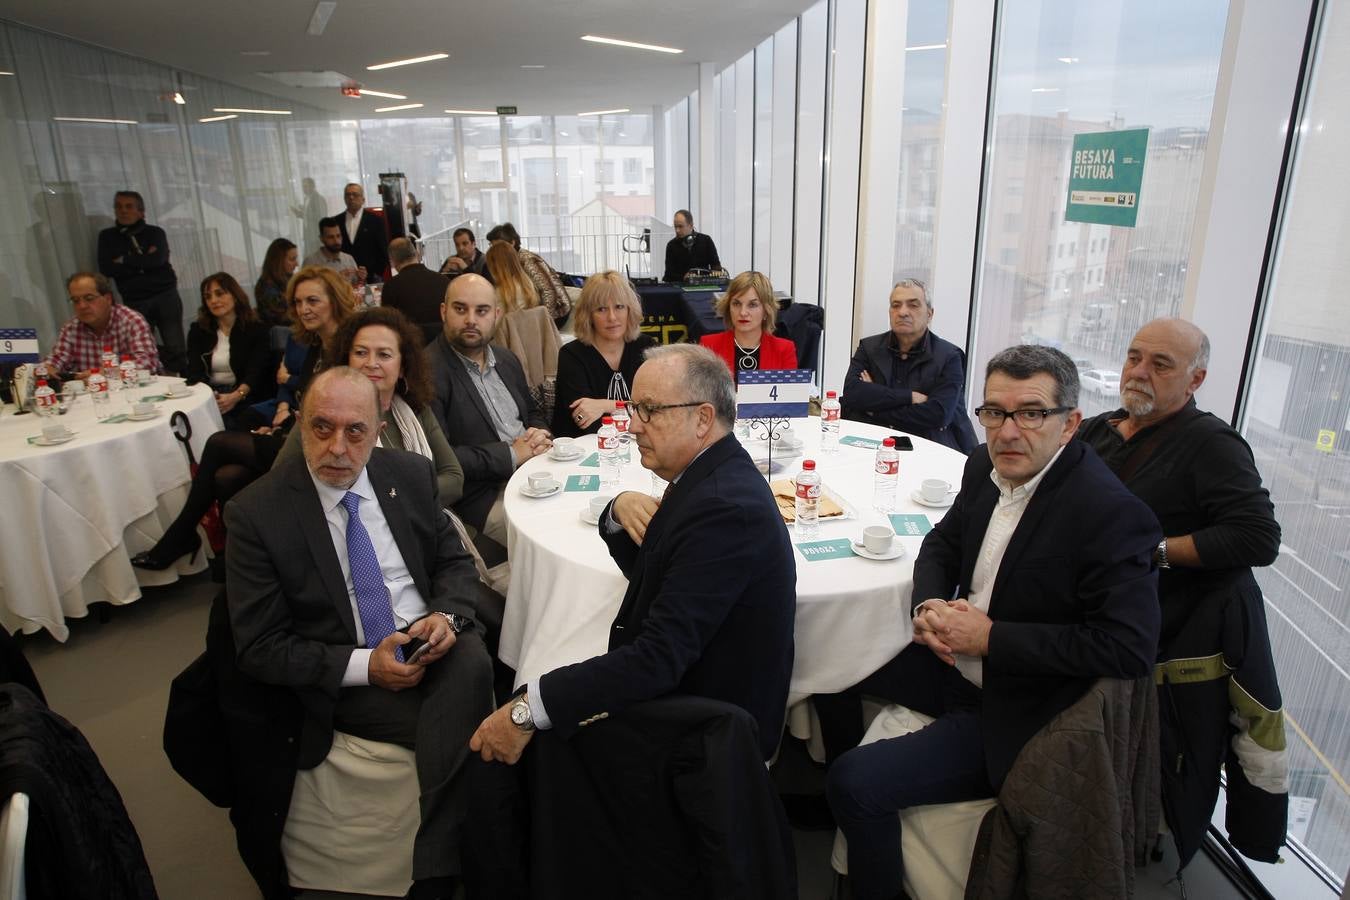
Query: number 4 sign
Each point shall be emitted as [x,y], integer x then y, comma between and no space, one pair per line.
[774,393]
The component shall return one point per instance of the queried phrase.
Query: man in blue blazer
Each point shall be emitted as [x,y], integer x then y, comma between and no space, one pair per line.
[711,577]
[908,378]
[1038,581]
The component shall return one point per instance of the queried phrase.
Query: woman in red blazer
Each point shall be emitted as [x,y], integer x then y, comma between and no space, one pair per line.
[750,311]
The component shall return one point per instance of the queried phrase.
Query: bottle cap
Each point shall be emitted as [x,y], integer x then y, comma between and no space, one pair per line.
[808,465]
[126,357]
[619,404]
[830,395]
[889,442]
[42,382]
[607,420]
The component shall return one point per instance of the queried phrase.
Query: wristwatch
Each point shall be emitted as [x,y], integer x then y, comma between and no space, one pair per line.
[521,716]
[457,622]
[1162,554]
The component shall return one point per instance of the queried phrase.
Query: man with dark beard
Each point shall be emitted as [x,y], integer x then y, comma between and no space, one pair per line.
[1220,702]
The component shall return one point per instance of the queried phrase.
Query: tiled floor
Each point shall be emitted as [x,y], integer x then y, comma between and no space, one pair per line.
[112,678]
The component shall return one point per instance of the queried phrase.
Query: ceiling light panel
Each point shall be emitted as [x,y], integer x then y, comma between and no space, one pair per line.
[430,57]
[397,108]
[472,112]
[604,112]
[618,42]
[260,112]
[366,92]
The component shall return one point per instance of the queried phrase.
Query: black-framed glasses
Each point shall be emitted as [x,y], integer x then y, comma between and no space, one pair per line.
[645,411]
[1026,419]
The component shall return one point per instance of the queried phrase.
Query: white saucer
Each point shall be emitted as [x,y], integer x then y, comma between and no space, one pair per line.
[525,489]
[918,498]
[588,518]
[558,457]
[142,417]
[897,550]
[43,441]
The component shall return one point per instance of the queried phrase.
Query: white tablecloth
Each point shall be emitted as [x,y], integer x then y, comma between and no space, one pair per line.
[76,513]
[852,614]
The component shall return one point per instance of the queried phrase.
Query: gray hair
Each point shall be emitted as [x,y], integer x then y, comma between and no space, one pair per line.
[917,285]
[1025,360]
[706,377]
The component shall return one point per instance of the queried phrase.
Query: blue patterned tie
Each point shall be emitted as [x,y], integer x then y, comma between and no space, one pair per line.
[372,595]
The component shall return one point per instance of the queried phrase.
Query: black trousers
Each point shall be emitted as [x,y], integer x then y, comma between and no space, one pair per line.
[164,311]
[435,720]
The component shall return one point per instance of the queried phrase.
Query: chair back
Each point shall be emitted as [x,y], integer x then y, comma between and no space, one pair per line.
[13,841]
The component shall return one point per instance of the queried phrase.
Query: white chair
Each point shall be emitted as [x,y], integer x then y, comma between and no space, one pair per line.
[353,819]
[937,841]
[13,840]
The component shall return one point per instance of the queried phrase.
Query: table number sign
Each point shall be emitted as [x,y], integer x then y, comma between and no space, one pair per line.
[816,551]
[582,483]
[774,393]
[910,525]
[18,345]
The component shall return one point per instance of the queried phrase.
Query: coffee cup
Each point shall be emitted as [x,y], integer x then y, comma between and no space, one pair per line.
[54,432]
[564,446]
[143,409]
[541,482]
[877,539]
[597,506]
[934,490]
[142,376]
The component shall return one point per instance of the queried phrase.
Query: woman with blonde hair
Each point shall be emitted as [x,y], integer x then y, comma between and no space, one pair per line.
[597,369]
[504,270]
[750,311]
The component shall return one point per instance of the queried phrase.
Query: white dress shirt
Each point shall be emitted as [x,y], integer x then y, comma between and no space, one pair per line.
[1012,503]
[407,600]
[353,223]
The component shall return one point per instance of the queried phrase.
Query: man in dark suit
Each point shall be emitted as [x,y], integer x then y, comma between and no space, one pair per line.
[482,402]
[1038,581]
[688,249]
[363,234]
[909,378]
[415,290]
[711,579]
[329,555]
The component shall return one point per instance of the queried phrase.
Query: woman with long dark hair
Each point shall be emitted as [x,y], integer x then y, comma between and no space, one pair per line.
[227,348]
[279,263]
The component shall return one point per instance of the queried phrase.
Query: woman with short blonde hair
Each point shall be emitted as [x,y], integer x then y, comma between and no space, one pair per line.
[750,312]
[596,370]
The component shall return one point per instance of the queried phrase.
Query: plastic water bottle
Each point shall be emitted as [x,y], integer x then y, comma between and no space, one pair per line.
[621,422]
[98,393]
[808,500]
[111,373]
[44,399]
[607,440]
[887,476]
[829,423]
[127,372]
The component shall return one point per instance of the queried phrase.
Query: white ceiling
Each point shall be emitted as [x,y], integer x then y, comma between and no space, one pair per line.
[487,42]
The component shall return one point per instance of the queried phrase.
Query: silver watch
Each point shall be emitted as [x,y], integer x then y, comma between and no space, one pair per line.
[1162,554]
[521,716]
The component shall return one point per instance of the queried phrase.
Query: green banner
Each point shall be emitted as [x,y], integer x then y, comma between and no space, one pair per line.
[1106,171]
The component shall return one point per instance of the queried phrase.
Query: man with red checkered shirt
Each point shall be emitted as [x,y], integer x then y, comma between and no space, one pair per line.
[99,323]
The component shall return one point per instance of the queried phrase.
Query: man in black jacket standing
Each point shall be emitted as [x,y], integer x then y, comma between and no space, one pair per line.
[135,255]
[1220,703]
[688,249]
[364,235]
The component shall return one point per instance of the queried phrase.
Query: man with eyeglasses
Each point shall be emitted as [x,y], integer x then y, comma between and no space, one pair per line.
[909,378]
[364,237]
[711,594]
[99,323]
[1038,581]
[1215,669]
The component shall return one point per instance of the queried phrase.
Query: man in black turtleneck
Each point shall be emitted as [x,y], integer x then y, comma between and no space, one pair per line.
[136,256]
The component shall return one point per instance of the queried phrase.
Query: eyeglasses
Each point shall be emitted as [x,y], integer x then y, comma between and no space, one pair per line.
[1026,419]
[85,298]
[645,411]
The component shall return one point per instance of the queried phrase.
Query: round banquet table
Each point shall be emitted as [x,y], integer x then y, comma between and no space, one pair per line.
[852,614]
[79,511]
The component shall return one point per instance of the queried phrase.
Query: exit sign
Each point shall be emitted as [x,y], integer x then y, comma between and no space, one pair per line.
[506,110]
